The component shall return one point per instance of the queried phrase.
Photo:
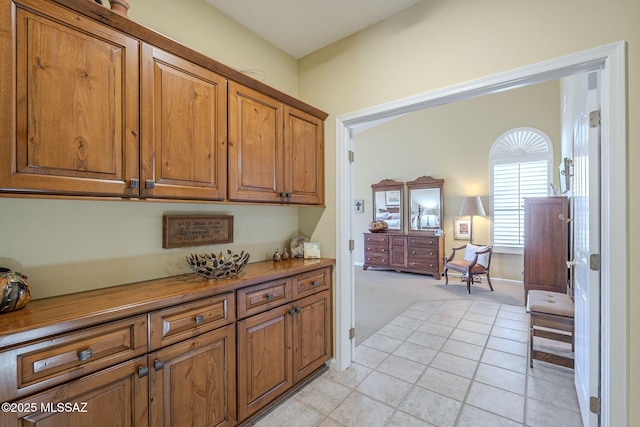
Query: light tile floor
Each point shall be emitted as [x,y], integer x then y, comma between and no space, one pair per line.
[448,363]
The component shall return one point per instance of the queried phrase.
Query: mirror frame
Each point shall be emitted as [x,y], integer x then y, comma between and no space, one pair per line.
[421,183]
[384,186]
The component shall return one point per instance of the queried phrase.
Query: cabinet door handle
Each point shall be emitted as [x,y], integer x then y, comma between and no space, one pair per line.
[269,297]
[158,364]
[149,183]
[199,319]
[292,312]
[85,355]
[298,309]
[143,371]
[134,183]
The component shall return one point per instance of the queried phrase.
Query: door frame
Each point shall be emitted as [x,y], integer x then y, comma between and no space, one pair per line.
[611,59]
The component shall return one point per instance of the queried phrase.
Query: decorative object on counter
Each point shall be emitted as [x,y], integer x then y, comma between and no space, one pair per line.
[378,226]
[121,7]
[297,246]
[212,266]
[98,1]
[285,254]
[16,291]
[311,250]
[276,255]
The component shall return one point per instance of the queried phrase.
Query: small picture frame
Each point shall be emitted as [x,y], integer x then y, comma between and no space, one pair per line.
[461,229]
[311,250]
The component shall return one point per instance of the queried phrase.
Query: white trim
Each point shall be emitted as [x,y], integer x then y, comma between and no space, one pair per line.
[612,59]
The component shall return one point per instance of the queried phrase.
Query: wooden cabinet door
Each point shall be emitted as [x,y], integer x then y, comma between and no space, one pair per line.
[312,341]
[184,128]
[546,244]
[303,157]
[264,359]
[398,249]
[114,397]
[192,382]
[76,106]
[256,152]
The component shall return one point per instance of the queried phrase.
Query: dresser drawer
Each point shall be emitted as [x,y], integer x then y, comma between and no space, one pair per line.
[58,359]
[376,249]
[424,242]
[310,283]
[177,323]
[262,297]
[380,238]
[424,264]
[376,260]
[424,252]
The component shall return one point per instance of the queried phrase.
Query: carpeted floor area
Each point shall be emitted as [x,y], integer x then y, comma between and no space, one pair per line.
[381,295]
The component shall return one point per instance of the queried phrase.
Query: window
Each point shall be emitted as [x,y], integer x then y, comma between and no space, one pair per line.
[520,162]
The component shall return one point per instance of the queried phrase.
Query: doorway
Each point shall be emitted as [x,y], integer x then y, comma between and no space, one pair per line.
[611,59]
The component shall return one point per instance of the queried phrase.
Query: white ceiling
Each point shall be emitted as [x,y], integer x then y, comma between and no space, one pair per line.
[300,27]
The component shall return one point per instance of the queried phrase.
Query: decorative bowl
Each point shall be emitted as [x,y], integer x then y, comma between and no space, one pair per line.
[212,266]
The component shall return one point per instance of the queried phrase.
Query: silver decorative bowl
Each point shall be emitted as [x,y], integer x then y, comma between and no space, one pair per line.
[212,266]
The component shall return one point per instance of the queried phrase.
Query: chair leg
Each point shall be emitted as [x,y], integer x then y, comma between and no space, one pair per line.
[489,281]
[446,276]
[531,340]
[469,279]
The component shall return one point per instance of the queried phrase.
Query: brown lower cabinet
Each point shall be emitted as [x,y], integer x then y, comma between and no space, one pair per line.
[169,352]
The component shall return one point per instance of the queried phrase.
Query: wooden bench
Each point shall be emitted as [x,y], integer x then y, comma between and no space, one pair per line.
[551,317]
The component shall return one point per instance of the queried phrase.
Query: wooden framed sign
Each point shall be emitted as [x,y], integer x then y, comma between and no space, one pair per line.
[179,231]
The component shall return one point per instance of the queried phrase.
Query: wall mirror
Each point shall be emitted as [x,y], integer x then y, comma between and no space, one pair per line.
[425,206]
[388,204]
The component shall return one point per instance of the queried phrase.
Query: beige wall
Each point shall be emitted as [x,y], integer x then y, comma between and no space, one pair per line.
[439,43]
[452,142]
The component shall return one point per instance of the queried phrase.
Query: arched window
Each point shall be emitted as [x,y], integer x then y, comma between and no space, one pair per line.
[520,163]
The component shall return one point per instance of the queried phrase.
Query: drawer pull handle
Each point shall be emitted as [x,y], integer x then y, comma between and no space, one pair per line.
[143,371]
[269,297]
[199,319]
[158,364]
[315,283]
[85,355]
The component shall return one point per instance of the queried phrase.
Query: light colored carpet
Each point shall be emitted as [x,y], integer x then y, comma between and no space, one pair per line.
[380,296]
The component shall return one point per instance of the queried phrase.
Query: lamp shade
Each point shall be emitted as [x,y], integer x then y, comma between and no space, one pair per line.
[472,206]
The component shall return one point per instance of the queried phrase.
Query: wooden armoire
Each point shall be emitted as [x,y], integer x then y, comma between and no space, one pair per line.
[546,244]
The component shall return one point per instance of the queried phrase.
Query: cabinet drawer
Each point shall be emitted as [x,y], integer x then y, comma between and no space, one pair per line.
[376,260]
[52,361]
[310,283]
[425,242]
[188,320]
[376,249]
[424,252]
[376,238]
[424,264]
[256,299]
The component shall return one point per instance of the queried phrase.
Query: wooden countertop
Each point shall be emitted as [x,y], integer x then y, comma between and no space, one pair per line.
[83,309]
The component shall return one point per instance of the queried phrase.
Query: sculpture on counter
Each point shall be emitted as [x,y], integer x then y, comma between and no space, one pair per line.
[212,266]
[16,291]
[276,255]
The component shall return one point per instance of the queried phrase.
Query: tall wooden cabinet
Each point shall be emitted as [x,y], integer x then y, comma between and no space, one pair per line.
[546,244]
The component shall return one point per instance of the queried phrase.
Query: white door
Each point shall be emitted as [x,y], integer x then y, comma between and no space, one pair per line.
[586,243]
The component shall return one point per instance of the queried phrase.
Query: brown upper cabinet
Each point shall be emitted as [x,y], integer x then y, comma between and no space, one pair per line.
[76,109]
[97,105]
[276,152]
[183,149]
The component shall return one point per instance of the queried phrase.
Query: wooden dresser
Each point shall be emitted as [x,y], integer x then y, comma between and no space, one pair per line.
[404,252]
[220,351]
[546,244]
